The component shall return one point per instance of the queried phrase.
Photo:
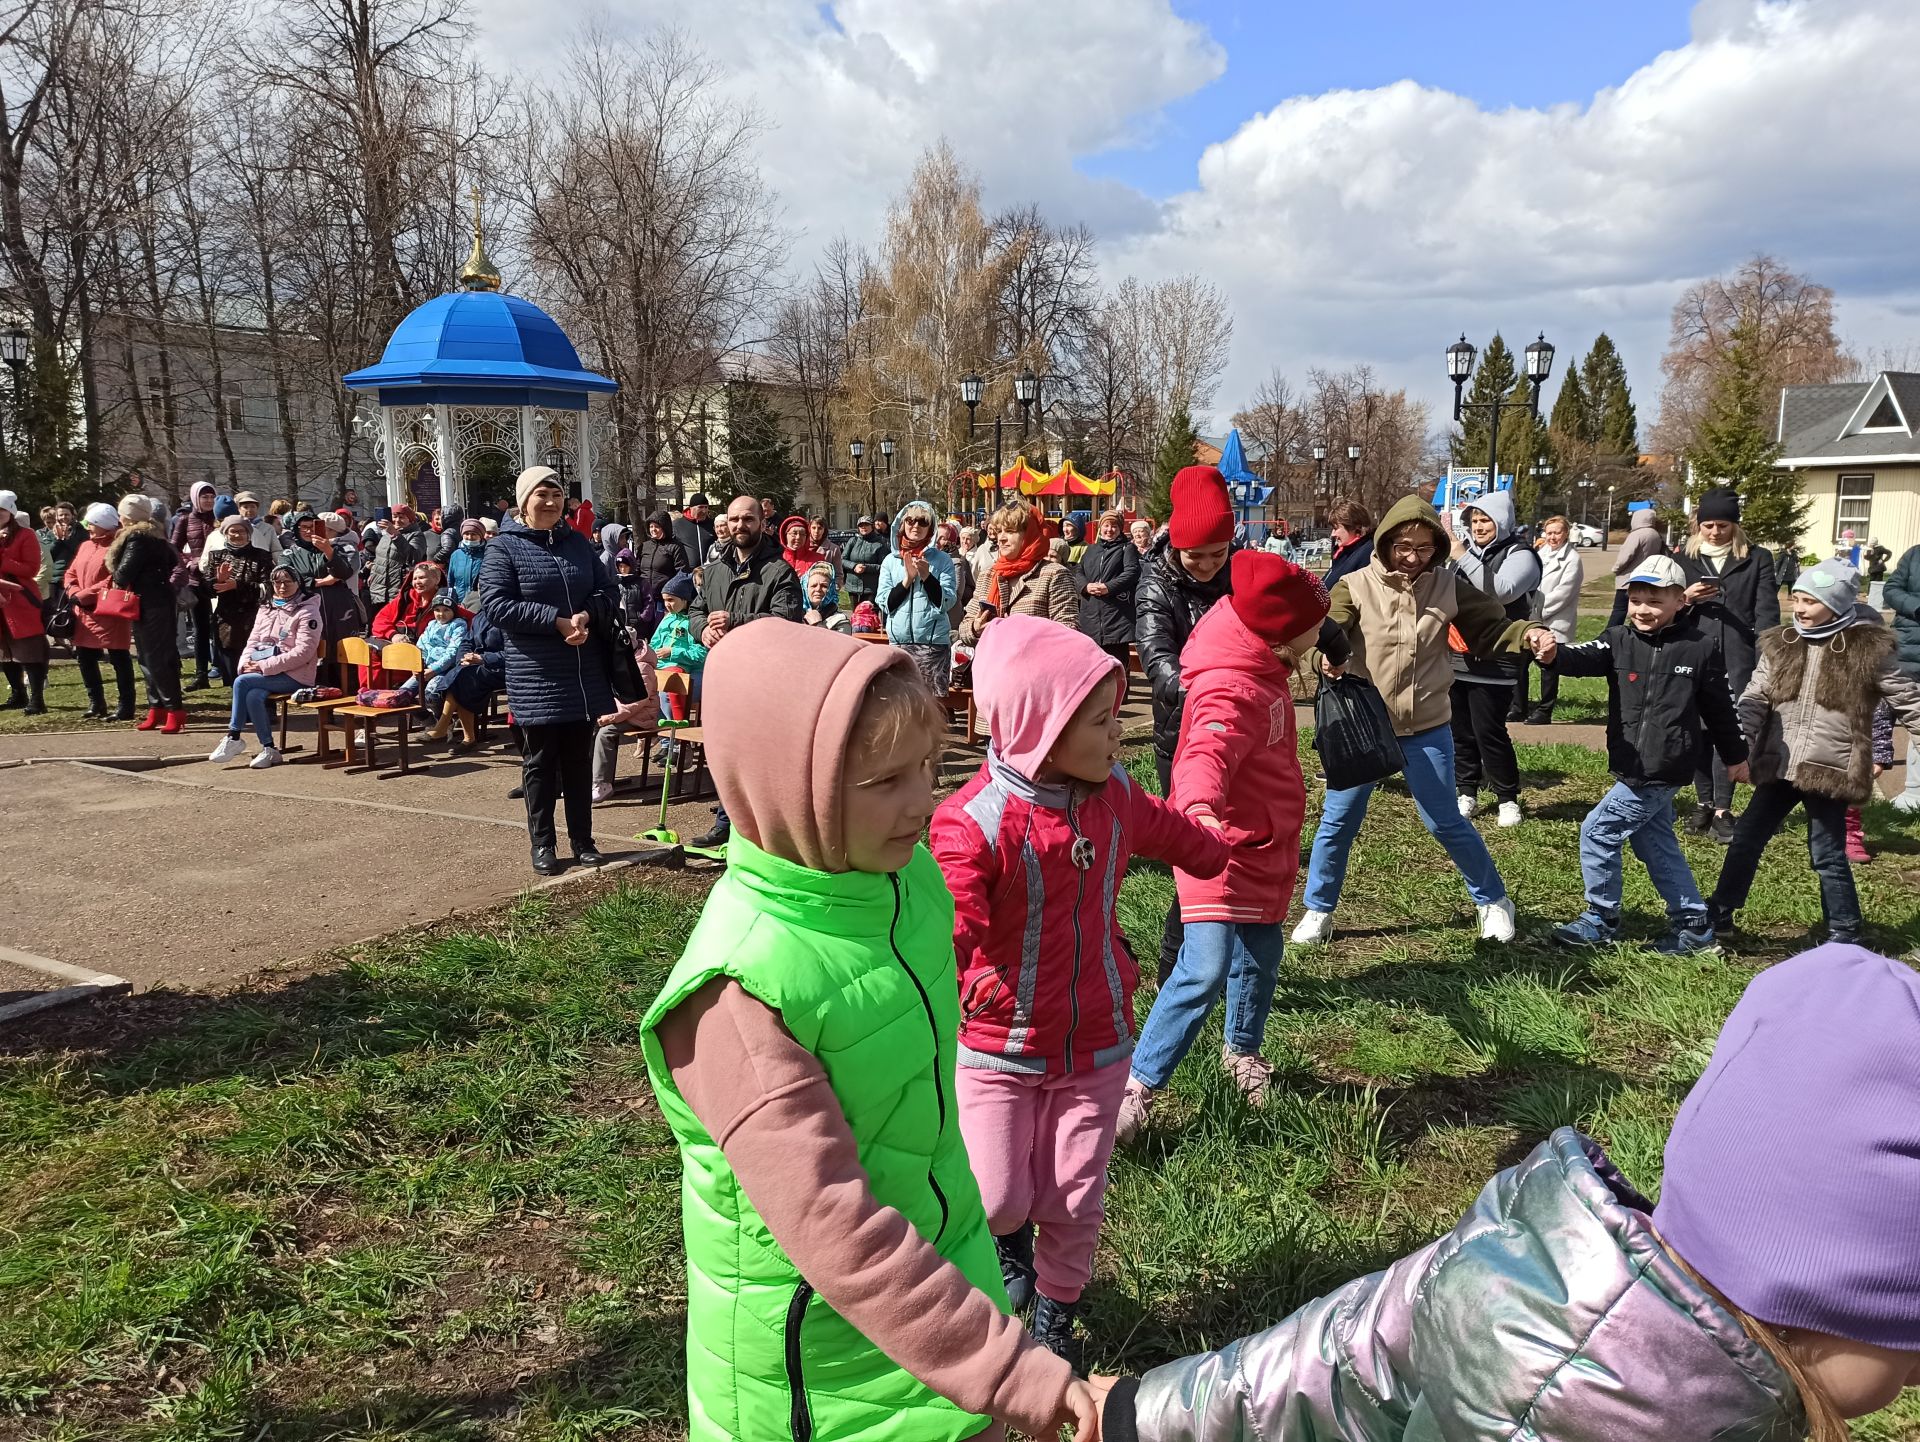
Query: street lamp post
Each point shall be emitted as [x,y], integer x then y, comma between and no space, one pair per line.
[1539,364]
[1320,469]
[858,448]
[557,463]
[1606,537]
[886,452]
[1542,474]
[1586,486]
[13,350]
[1026,390]
[1353,464]
[970,388]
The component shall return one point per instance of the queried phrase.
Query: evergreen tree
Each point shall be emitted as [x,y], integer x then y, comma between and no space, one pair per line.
[760,462]
[1174,455]
[1572,416]
[1522,439]
[1615,428]
[1735,447]
[1494,380]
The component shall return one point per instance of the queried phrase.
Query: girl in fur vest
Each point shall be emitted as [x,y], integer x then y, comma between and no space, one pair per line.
[1808,718]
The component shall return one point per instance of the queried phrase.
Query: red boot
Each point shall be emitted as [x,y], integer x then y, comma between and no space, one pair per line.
[154,713]
[176,723]
[1857,837]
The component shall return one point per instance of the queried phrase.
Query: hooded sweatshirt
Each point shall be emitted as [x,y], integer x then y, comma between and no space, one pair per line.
[1507,570]
[1398,624]
[1046,979]
[1239,762]
[799,551]
[802,1051]
[917,615]
[1643,540]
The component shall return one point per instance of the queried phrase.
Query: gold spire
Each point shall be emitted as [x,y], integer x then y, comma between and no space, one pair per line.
[479,273]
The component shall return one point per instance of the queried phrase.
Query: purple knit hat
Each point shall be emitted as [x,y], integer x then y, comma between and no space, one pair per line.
[1793,1172]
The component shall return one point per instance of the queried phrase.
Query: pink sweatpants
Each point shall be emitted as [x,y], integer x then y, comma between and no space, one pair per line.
[1039,1148]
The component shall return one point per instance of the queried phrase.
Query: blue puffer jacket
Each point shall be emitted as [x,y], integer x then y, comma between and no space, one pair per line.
[530,580]
[920,618]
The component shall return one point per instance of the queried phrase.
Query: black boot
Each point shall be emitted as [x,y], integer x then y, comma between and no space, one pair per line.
[719,835]
[1053,1329]
[16,686]
[37,689]
[1016,1265]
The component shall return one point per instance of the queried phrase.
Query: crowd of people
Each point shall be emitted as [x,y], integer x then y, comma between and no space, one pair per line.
[897,1072]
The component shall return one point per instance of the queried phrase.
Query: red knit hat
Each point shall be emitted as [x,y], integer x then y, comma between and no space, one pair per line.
[1202,514]
[1276,599]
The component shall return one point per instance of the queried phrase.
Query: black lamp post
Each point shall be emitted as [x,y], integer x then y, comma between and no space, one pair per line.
[886,452]
[1542,474]
[1353,464]
[13,350]
[557,463]
[1539,364]
[970,388]
[1320,469]
[1026,390]
[858,448]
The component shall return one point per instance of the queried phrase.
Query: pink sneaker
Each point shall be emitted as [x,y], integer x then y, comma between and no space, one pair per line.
[1135,1102]
[1253,1075]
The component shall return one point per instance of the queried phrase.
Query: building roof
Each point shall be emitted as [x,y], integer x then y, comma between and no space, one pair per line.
[478,347]
[1876,420]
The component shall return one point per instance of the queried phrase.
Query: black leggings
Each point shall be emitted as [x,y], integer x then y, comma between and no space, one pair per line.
[156,635]
[556,761]
[1482,749]
[1123,653]
[122,664]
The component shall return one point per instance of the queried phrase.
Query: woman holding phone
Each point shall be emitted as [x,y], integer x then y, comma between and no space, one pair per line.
[1732,583]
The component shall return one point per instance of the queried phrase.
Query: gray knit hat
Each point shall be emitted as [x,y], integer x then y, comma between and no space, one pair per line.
[1834,584]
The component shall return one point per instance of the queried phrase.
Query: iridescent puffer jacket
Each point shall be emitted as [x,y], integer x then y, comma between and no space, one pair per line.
[1551,1313]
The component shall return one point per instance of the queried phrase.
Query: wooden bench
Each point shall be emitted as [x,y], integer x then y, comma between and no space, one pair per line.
[395,656]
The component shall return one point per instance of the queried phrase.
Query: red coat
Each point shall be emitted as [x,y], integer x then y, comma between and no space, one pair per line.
[404,610]
[20,563]
[86,578]
[1046,984]
[1238,761]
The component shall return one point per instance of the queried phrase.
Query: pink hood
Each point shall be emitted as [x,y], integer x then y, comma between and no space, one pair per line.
[1029,677]
[1222,642]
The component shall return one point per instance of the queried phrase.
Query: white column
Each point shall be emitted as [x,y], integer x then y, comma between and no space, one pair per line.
[443,455]
[390,453]
[528,440]
[584,452]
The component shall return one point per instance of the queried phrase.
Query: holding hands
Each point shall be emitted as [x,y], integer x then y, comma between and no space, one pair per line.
[1742,774]
[1544,643]
[1080,1409]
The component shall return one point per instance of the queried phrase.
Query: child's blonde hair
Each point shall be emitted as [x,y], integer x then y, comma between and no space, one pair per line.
[898,704]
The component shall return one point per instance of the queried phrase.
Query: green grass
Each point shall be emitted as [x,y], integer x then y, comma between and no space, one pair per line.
[427,1195]
[67,698]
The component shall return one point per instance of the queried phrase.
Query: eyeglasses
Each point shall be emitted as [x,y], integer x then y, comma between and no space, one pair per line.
[1408,548]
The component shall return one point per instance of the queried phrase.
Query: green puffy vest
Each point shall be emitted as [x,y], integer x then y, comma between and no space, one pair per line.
[860,968]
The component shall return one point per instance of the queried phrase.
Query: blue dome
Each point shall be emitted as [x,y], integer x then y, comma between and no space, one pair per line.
[480,348]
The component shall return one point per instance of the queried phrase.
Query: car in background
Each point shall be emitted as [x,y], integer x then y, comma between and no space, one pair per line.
[1585,535]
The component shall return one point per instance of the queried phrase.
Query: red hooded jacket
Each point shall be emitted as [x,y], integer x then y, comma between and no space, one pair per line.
[803,557]
[1238,762]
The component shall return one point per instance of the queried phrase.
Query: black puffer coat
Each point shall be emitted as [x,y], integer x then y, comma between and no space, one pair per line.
[1903,599]
[1749,604]
[529,580]
[1168,604]
[1108,619]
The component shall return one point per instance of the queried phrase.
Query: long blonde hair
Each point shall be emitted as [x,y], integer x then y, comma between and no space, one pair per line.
[1738,551]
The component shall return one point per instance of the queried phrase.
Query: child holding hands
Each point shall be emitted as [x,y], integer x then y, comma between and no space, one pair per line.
[1035,848]
[1237,763]
[841,1280]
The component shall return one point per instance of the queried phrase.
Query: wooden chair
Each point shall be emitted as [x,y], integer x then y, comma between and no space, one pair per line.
[676,683]
[959,702]
[286,706]
[395,656]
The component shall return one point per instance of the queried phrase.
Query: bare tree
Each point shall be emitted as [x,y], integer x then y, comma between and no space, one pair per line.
[811,349]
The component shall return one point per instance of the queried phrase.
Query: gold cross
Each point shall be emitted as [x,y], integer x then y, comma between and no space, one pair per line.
[474,191]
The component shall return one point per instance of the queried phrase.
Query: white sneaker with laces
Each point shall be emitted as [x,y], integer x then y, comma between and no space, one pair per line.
[1907,801]
[1469,805]
[1496,920]
[1314,927]
[228,748]
[601,791]
[269,756]
[1510,814]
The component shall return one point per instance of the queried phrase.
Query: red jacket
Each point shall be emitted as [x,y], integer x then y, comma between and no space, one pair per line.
[86,579]
[1237,761]
[20,563]
[407,612]
[1046,984]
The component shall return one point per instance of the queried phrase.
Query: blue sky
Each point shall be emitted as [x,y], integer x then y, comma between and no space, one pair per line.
[1498,54]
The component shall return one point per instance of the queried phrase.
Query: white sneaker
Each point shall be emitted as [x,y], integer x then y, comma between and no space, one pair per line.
[1907,801]
[1314,927]
[1469,805]
[1496,920]
[601,791]
[1509,814]
[228,748]
[269,756]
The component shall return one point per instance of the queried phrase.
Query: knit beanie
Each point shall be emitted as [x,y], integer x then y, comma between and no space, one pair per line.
[679,584]
[1793,1171]
[1835,585]
[135,508]
[1202,512]
[102,515]
[529,478]
[1274,598]
[1722,503]
[446,598]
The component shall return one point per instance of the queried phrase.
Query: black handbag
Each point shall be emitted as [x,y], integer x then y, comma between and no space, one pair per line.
[1353,734]
[58,620]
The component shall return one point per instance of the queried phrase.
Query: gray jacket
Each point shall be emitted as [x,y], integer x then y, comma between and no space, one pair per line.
[1808,712]
[1551,1311]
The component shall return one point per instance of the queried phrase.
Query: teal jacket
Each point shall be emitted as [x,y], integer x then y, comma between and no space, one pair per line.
[860,968]
[675,643]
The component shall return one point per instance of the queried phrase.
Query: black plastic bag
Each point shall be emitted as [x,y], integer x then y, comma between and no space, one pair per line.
[1353,734]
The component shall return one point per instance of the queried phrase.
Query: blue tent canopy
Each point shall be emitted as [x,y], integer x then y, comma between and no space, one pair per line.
[478,347]
[1244,485]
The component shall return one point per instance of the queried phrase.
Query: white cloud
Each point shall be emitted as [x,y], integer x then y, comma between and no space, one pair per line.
[1375,225]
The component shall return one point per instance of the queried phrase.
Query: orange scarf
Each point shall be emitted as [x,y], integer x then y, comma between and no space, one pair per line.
[1007,569]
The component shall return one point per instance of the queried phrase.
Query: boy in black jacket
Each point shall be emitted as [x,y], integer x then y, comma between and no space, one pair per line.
[1665,676]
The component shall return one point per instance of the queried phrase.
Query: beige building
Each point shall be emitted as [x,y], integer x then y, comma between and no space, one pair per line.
[1857,449]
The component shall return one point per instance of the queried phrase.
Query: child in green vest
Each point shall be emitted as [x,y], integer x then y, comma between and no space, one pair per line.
[841,1282]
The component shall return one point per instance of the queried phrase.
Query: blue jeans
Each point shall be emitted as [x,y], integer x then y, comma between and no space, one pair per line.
[1429,776]
[250,693]
[1242,960]
[1639,815]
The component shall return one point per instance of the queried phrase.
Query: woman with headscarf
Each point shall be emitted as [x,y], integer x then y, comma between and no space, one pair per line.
[141,561]
[236,575]
[282,654]
[323,567]
[947,538]
[192,528]
[23,632]
[796,543]
[465,560]
[544,587]
[1493,559]
[94,634]
[1025,580]
[1074,534]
